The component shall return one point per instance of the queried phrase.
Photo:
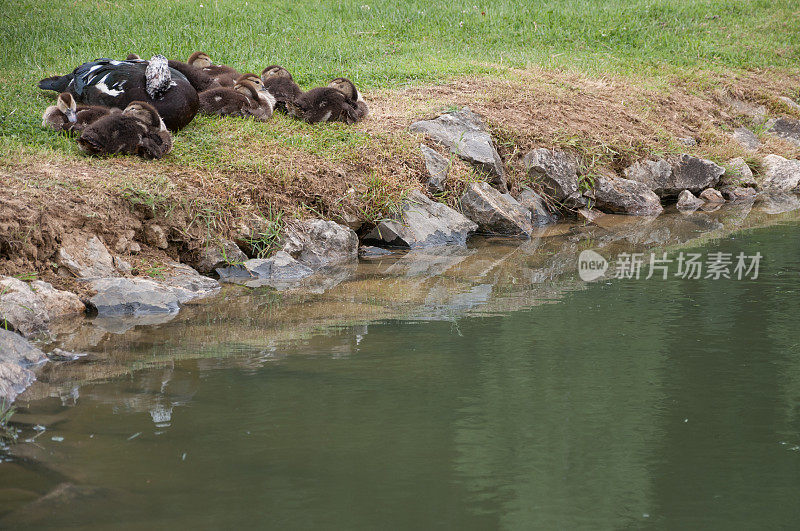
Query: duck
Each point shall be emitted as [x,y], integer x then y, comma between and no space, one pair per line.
[111,83]
[262,103]
[137,130]
[280,83]
[353,96]
[196,77]
[222,74]
[323,104]
[67,116]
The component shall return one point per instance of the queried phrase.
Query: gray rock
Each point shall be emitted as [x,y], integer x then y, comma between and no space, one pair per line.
[793,105]
[754,110]
[29,308]
[624,196]
[141,296]
[688,141]
[557,173]
[279,267]
[746,138]
[688,202]
[318,242]
[85,256]
[739,174]
[590,215]
[778,203]
[216,255]
[785,128]
[780,174]
[423,223]
[712,195]
[17,357]
[438,169]
[155,236]
[670,179]
[738,193]
[464,134]
[535,203]
[495,213]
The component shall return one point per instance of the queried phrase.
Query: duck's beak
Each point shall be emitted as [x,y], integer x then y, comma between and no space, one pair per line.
[71,115]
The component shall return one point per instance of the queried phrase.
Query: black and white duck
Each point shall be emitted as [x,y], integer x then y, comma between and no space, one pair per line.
[111,83]
[137,130]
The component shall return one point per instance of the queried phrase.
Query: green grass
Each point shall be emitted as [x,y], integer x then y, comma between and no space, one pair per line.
[377,44]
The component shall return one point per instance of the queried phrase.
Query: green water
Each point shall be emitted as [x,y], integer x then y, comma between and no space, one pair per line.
[615,404]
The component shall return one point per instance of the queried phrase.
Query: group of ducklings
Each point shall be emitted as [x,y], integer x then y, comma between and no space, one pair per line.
[119,125]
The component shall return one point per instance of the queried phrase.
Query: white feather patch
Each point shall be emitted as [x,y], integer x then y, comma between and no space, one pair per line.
[359,97]
[326,117]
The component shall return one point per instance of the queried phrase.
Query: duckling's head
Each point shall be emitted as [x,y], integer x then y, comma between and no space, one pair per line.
[66,104]
[145,113]
[158,77]
[200,60]
[346,86]
[247,87]
[133,57]
[275,71]
[252,78]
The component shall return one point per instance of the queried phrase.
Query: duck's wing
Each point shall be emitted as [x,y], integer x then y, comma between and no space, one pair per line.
[107,75]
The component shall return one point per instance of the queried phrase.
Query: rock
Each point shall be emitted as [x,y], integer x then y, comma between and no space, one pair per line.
[17,357]
[739,174]
[793,105]
[624,196]
[438,169]
[688,202]
[738,193]
[317,242]
[785,128]
[29,308]
[141,296]
[778,203]
[781,175]
[423,223]
[688,141]
[535,203]
[218,254]
[590,215]
[754,110]
[746,138]
[557,172]
[495,213]
[125,243]
[280,267]
[669,179]
[711,195]
[84,256]
[464,134]
[155,236]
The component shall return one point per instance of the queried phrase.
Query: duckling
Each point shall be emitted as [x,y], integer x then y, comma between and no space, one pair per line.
[223,74]
[112,83]
[133,57]
[224,101]
[65,115]
[323,104]
[262,103]
[353,96]
[138,130]
[279,82]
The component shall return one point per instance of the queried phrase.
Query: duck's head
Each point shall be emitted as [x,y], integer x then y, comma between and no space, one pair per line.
[275,71]
[66,104]
[158,77]
[200,60]
[145,113]
[252,78]
[346,86]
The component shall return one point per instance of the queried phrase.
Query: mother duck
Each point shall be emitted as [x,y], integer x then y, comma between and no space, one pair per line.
[117,83]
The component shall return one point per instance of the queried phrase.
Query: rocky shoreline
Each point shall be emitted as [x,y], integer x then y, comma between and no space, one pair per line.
[558,187]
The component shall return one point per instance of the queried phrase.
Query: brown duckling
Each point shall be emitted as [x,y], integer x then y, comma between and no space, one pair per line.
[223,74]
[66,115]
[323,104]
[353,96]
[138,130]
[262,103]
[224,101]
[279,82]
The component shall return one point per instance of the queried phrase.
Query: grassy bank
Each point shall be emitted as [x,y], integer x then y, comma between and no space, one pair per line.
[610,79]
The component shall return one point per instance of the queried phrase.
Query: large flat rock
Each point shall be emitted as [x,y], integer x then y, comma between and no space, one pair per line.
[623,196]
[495,213]
[669,178]
[780,174]
[318,242]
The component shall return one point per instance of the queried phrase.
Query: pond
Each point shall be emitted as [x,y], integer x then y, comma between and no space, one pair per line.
[486,388]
